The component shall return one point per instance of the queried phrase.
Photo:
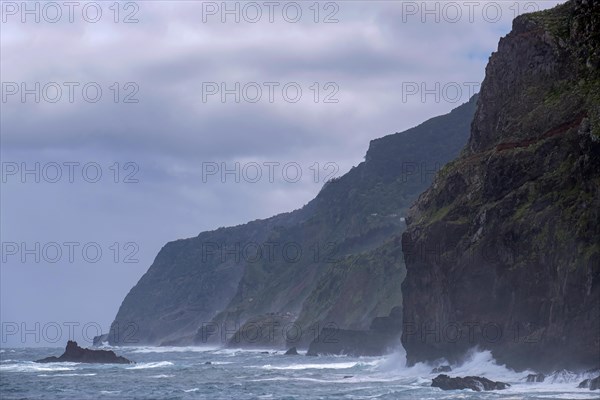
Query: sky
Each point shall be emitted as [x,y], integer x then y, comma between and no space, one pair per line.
[126,125]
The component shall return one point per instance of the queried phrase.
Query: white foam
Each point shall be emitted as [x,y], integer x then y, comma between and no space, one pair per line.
[157,364]
[227,352]
[30,366]
[191,390]
[560,385]
[482,363]
[344,365]
[59,375]
[161,376]
[395,363]
[477,363]
[330,379]
[172,349]
[236,351]
[568,396]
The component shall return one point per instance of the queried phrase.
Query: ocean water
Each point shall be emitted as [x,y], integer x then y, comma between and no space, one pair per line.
[182,373]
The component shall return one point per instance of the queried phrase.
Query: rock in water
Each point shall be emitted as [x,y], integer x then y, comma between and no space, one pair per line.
[291,352]
[441,368]
[592,384]
[584,384]
[475,383]
[536,377]
[74,353]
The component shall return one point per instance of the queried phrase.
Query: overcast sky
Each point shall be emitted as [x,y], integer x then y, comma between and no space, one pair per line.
[186,92]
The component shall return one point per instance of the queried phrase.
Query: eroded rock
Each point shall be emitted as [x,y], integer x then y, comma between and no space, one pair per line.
[74,353]
[475,383]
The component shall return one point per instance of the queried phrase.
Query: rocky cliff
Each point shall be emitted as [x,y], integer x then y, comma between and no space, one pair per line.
[335,262]
[503,250]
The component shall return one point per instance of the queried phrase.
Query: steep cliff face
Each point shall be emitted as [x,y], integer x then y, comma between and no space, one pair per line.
[329,262]
[189,280]
[503,250]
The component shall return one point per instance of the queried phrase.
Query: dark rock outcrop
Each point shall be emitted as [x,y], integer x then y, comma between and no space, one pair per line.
[536,378]
[391,324]
[440,369]
[74,353]
[592,384]
[291,352]
[503,250]
[475,383]
[382,337]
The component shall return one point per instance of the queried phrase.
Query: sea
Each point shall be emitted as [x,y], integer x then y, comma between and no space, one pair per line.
[213,373]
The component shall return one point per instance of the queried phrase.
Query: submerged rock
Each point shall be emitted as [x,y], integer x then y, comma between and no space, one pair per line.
[592,384]
[74,353]
[291,352]
[441,368]
[475,383]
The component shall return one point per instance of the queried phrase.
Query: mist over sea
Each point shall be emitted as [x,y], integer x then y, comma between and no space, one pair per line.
[209,373]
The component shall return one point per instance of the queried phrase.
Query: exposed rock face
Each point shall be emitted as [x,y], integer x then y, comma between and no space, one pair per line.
[74,353]
[503,250]
[592,384]
[205,289]
[475,383]
[382,338]
[391,324]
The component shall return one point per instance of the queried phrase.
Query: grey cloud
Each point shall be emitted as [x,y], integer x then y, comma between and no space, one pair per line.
[169,53]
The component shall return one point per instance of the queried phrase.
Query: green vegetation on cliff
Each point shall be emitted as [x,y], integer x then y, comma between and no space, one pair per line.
[515,219]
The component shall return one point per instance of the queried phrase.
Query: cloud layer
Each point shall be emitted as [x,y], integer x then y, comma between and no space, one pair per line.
[368,69]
